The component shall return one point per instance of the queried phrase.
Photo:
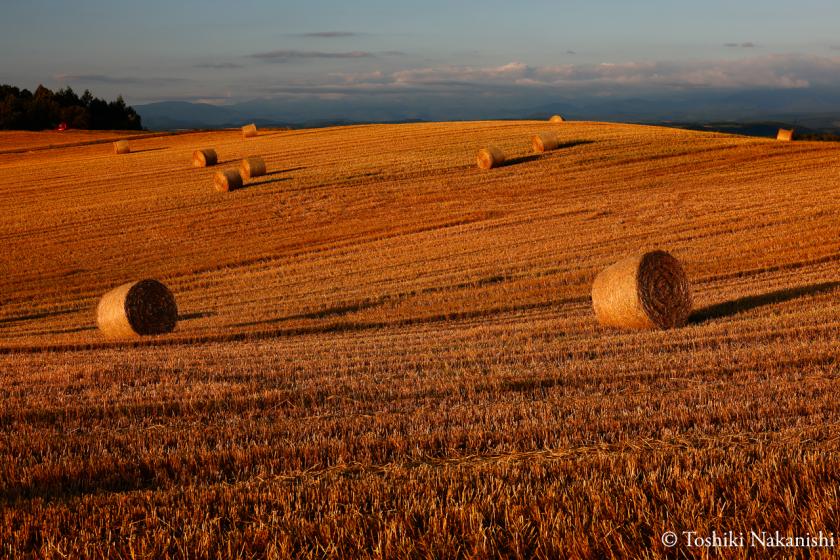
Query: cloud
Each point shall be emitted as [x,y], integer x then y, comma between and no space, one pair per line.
[604,79]
[834,48]
[747,45]
[116,80]
[393,53]
[219,65]
[329,34]
[571,52]
[281,56]
[775,71]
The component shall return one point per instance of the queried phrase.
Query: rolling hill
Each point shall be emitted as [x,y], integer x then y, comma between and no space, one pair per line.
[385,352]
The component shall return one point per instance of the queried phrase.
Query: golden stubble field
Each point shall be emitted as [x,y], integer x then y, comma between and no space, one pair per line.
[384,351]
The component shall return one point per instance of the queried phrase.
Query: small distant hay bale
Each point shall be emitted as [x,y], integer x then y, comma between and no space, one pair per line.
[489,158]
[142,308]
[252,167]
[557,118]
[249,130]
[544,142]
[647,291]
[228,180]
[122,147]
[205,158]
[785,135]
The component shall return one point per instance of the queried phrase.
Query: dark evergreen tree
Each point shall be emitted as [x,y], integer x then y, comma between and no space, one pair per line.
[22,110]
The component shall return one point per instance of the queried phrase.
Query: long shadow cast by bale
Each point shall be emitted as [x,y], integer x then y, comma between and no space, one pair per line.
[735,306]
[289,170]
[35,316]
[322,314]
[198,315]
[573,143]
[97,481]
[148,150]
[518,160]
[261,183]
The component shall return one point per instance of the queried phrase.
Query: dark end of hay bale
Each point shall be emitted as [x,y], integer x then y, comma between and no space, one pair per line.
[205,158]
[142,308]
[647,291]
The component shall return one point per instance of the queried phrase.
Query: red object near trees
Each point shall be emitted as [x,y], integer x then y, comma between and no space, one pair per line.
[62,127]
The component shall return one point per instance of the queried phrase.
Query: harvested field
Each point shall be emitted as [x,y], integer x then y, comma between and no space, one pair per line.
[383,351]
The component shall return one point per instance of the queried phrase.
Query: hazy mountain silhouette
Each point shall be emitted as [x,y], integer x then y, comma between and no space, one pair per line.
[812,108]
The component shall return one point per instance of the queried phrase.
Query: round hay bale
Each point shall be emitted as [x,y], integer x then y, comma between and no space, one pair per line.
[785,135]
[205,158]
[647,291]
[249,130]
[122,147]
[252,167]
[228,180]
[557,118]
[545,142]
[490,157]
[137,309]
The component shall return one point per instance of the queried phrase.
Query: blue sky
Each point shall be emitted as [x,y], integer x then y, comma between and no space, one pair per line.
[223,52]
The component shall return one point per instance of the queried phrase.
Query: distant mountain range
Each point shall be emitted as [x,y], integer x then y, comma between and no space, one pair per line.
[808,108]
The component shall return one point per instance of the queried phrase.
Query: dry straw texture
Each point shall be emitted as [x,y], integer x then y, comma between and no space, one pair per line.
[249,130]
[205,158]
[122,147]
[136,309]
[389,355]
[557,118]
[544,142]
[647,291]
[490,157]
[252,167]
[228,180]
[785,134]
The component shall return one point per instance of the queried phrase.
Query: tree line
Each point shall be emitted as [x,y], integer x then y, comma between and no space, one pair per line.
[20,109]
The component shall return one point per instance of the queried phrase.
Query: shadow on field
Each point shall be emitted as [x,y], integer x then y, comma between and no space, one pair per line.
[322,314]
[573,143]
[534,157]
[268,182]
[148,150]
[198,315]
[735,306]
[96,480]
[518,160]
[35,316]
[289,170]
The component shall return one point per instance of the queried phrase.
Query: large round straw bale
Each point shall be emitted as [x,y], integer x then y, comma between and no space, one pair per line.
[205,158]
[252,167]
[136,309]
[785,135]
[249,130]
[545,142]
[122,147]
[490,157]
[228,180]
[557,118]
[647,291]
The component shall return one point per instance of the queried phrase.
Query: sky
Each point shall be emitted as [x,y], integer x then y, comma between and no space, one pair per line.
[225,52]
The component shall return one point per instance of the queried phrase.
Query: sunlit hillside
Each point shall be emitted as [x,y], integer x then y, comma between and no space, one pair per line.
[386,351]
